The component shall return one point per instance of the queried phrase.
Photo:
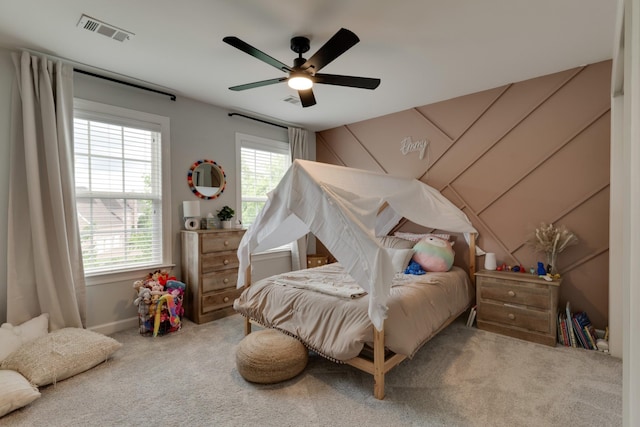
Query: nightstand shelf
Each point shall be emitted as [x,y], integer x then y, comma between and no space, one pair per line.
[519,305]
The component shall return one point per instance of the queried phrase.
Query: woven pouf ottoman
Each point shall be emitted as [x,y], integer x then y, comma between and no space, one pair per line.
[269,356]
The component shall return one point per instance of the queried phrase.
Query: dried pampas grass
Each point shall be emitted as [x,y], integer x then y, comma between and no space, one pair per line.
[550,239]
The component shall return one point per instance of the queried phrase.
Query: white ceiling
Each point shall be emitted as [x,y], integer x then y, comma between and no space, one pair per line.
[423,50]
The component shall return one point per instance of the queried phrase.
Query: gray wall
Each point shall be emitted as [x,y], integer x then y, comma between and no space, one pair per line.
[198,131]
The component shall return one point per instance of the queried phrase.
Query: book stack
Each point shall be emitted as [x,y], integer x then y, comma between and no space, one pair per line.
[472,316]
[576,330]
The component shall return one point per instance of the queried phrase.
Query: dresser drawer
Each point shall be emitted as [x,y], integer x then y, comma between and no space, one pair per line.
[220,242]
[314,260]
[219,280]
[508,315]
[217,300]
[219,260]
[512,293]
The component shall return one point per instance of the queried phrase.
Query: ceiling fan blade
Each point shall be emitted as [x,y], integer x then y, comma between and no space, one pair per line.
[259,84]
[341,41]
[350,81]
[307,98]
[247,48]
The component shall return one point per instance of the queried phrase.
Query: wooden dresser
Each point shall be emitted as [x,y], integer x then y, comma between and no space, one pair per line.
[210,271]
[520,305]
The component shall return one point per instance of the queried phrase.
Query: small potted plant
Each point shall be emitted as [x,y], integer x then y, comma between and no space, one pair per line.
[224,215]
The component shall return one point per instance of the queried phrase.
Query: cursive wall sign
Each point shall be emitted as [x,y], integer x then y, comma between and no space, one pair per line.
[407,146]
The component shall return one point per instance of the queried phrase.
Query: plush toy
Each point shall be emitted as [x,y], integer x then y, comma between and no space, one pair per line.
[434,253]
[144,297]
[137,285]
[157,291]
[174,284]
[174,319]
[414,268]
[161,277]
[143,301]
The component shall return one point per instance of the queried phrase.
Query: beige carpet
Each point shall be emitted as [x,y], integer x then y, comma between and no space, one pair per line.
[463,377]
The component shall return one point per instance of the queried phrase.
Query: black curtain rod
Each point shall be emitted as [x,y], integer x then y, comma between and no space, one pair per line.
[258,120]
[111,79]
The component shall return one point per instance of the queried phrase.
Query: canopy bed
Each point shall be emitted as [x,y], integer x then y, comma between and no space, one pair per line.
[345,208]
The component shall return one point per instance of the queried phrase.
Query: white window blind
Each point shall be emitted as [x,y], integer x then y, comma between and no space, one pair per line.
[119,197]
[263,163]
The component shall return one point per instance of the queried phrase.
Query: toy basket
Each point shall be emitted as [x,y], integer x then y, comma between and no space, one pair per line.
[163,318]
[159,300]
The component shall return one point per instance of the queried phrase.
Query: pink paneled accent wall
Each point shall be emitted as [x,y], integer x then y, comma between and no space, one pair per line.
[510,157]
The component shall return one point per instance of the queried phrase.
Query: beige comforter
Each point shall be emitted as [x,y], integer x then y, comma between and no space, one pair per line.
[338,326]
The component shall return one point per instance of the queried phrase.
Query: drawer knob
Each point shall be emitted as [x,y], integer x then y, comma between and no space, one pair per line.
[225,299]
[512,316]
[512,294]
[225,262]
[226,243]
[226,280]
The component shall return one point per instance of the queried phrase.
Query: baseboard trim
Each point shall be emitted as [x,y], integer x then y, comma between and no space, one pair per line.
[113,327]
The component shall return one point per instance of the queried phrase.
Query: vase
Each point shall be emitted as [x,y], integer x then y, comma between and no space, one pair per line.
[226,224]
[552,260]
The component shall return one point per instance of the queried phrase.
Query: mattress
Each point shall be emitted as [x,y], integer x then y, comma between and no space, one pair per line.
[338,326]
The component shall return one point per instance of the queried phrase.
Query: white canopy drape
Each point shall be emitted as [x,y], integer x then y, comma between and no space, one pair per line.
[339,205]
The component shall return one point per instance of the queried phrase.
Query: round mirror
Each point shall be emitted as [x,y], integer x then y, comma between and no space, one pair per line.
[206,179]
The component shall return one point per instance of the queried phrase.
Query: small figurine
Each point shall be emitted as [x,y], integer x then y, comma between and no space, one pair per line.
[541,269]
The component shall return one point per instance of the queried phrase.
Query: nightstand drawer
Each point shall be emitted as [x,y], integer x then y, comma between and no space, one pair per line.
[219,280]
[508,315]
[511,293]
[219,260]
[225,241]
[218,300]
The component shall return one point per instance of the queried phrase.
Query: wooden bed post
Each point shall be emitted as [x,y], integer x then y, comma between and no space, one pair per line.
[247,283]
[378,363]
[472,257]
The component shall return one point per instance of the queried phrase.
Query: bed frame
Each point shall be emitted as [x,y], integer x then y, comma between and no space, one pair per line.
[382,364]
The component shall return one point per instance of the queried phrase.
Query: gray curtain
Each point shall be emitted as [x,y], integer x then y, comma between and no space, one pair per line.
[44,257]
[299,150]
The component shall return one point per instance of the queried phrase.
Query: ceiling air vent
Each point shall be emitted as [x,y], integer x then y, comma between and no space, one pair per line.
[292,99]
[97,26]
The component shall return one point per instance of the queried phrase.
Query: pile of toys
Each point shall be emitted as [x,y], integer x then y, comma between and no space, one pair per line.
[159,299]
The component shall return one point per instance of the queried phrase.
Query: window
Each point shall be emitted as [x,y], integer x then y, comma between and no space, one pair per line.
[121,168]
[263,163]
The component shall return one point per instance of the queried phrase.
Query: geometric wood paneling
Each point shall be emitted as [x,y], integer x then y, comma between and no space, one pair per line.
[510,157]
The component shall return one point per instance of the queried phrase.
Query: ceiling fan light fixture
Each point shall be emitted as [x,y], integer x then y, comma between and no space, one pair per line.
[299,82]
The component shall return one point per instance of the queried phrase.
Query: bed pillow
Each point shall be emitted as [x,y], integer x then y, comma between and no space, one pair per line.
[60,354]
[414,237]
[399,258]
[15,392]
[12,337]
[434,254]
[395,242]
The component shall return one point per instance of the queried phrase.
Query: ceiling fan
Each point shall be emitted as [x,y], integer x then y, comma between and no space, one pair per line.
[304,72]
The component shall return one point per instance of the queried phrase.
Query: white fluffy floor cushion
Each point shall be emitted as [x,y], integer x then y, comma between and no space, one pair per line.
[12,337]
[60,354]
[15,392]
